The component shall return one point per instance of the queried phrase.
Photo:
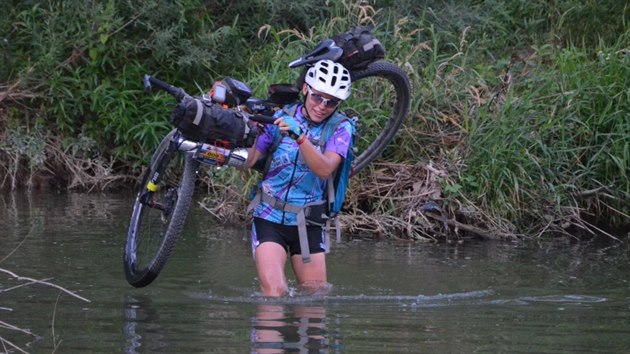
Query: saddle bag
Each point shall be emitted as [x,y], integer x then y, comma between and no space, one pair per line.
[360,48]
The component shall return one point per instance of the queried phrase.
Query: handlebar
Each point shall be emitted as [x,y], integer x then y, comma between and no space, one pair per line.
[180,95]
[174,91]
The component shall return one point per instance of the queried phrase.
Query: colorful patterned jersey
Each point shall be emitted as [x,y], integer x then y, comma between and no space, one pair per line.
[289,179]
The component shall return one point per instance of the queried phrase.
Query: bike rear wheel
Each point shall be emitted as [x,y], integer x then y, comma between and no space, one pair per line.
[381,95]
[159,212]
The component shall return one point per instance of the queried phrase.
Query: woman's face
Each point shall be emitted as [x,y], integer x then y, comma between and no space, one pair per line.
[319,105]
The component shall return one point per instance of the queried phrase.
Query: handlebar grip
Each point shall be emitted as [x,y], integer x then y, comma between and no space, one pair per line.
[174,91]
[262,118]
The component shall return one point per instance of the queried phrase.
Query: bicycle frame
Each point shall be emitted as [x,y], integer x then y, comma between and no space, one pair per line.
[206,154]
[210,154]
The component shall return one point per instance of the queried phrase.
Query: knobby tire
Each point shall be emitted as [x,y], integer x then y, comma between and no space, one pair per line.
[143,263]
[399,105]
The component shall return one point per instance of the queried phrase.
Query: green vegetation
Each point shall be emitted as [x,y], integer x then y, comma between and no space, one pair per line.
[519,122]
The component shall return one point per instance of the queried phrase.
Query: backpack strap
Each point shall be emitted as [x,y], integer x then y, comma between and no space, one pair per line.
[329,129]
[300,210]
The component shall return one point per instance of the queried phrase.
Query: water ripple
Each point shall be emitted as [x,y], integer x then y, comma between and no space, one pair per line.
[560,299]
[565,298]
[357,299]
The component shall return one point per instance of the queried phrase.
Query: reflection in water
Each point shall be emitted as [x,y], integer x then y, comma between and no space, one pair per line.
[278,328]
[141,327]
[275,328]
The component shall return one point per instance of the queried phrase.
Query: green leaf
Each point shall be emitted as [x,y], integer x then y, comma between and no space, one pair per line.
[93,54]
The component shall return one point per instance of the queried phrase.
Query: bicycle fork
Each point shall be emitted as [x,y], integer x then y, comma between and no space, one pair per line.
[146,198]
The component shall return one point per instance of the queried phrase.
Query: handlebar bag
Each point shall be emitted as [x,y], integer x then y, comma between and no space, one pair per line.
[204,121]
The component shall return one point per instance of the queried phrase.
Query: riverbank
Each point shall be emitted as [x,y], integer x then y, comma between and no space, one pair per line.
[386,201]
[518,125]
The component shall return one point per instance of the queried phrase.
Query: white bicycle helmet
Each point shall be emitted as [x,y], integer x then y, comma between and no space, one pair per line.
[330,78]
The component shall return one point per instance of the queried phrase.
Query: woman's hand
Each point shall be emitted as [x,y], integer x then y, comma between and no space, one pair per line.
[289,126]
[322,164]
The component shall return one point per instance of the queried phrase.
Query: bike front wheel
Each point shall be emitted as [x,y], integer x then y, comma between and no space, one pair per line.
[159,212]
[381,96]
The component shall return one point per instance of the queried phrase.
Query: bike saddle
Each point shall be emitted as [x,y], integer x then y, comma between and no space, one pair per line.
[327,49]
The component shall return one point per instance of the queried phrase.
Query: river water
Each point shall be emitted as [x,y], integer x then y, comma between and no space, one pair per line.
[387,297]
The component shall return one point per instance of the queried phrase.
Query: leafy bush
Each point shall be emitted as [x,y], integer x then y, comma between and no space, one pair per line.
[525,101]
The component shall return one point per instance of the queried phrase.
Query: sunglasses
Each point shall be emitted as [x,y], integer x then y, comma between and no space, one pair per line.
[319,99]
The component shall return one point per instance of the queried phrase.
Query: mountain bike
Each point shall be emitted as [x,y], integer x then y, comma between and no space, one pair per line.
[380,98]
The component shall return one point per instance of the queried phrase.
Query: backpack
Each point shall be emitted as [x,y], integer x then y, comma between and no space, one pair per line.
[360,48]
[317,213]
[341,176]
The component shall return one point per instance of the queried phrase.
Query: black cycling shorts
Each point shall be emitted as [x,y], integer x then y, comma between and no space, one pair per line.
[287,236]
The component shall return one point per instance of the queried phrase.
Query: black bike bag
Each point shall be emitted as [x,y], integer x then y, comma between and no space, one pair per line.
[201,120]
[360,48]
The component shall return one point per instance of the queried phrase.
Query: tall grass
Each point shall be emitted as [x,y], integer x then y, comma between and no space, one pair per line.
[523,103]
[560,139]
